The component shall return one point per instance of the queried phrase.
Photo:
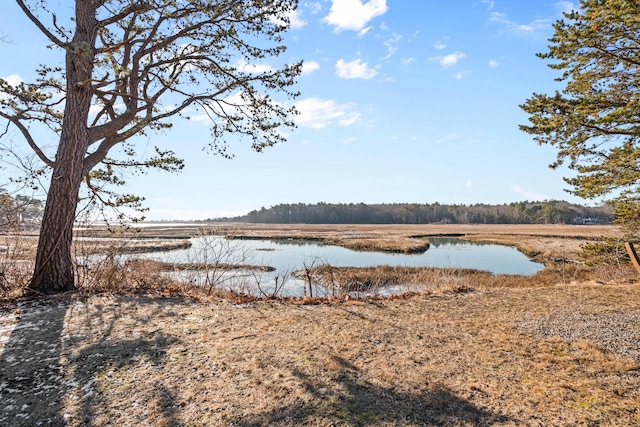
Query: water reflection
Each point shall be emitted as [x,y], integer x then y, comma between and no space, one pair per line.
[293,254]
[287,256]
[281,242]
[452,241]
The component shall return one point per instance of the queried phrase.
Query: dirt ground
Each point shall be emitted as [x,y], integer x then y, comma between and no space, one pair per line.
[565,352]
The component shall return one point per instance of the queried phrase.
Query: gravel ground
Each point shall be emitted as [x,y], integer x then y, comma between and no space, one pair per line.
[617,332]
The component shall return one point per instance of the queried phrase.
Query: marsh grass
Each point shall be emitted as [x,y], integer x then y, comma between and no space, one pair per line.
[219,262]
[393,244]
[134,348]
[330,281]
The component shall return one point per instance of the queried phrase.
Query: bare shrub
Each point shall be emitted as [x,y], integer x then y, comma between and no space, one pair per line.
[16,264]
[329,282]
[320,279]
[98,264]
[101,266]
[216,265]
[147,275]
[310,274]
[220,263]
[278,281]
[608,273]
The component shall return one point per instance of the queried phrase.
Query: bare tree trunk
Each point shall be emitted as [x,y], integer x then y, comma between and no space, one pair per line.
[54,267]
[53,270]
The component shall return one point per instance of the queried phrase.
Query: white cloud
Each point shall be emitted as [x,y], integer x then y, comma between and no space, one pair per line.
[349,119]
[354,14]
[119,108]
[309,67]
[318,113]
[244,67]
[566,7]
[538,26]
[354,70]
[14,79]
[490,4]
[392,45]
[314,8]
[469,184]
[493,63]
[364,31]
[439,45]
[520,29]
[462,74]
[449,60]
[296,20]
[450,137]
[442,43]
[95,109]
[529,195]
[349,140]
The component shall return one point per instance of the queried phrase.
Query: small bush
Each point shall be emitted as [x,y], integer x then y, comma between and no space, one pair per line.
[16,266]
[607,250]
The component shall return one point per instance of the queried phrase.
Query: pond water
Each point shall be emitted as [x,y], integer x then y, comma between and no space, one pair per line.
[286,256]
[293,254]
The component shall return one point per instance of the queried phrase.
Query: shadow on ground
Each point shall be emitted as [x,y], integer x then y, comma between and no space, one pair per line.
[44,366]
[348,400]
[31,377]
[105,356]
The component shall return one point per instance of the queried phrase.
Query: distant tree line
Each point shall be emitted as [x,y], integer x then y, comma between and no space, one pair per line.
[546,212]
[19,211]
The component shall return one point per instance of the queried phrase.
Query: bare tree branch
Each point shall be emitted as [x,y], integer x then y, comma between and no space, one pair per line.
[27,135]
[40,25]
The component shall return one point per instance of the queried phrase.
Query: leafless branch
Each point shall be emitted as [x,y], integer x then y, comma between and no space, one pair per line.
[27,135]
[40,25]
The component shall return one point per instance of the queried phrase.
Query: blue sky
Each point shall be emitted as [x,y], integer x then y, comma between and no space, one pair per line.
[401,102]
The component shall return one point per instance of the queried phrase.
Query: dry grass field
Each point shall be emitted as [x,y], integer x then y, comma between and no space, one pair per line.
[559,348]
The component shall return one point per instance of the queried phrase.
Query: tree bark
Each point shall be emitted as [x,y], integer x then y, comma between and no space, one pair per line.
[53,270]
